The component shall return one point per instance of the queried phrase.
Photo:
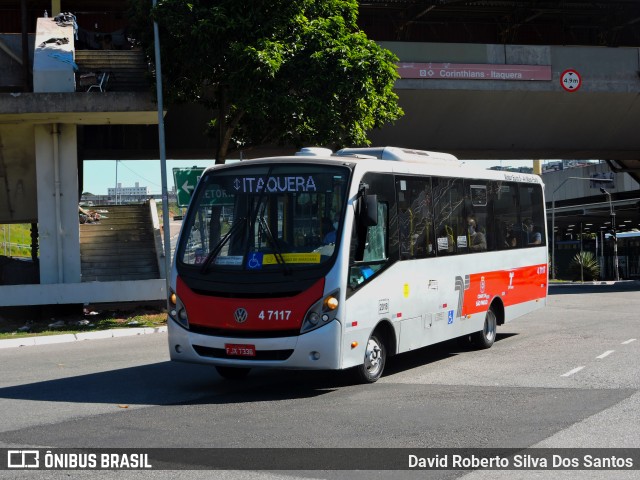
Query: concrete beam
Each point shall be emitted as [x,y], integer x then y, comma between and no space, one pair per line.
[88,108]
[86,292]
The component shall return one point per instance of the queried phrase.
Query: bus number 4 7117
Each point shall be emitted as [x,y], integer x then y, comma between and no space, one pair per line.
[274,314]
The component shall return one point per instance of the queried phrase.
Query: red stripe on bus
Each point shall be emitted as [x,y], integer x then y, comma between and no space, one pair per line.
[513,286]
[282,313]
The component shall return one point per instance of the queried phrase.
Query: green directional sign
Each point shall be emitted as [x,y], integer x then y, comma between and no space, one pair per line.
[186,180]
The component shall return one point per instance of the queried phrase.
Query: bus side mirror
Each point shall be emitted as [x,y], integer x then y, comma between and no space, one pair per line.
[368,216]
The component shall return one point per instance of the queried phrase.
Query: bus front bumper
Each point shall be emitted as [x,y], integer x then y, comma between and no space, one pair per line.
[318,349]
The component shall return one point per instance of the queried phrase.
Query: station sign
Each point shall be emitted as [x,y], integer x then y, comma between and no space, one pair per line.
[473,71]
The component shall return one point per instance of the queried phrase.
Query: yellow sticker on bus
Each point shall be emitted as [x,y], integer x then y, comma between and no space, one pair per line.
[311,257]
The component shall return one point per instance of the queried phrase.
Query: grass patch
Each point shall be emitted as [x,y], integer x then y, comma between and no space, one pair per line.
[88,320]
[15,240]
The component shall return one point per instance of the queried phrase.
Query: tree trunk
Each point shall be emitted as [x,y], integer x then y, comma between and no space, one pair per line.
[221,154]
[225,136]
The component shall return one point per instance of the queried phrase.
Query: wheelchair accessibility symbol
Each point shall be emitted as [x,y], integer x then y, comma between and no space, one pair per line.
[255,261]
[450,317]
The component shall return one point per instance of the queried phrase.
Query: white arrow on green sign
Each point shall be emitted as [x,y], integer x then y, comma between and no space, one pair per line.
[185,180]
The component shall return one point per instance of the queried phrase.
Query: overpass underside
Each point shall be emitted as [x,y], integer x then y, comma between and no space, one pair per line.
[527,115]
[473,118]
[520,124]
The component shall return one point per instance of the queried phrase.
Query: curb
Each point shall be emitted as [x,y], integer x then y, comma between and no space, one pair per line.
[75,337]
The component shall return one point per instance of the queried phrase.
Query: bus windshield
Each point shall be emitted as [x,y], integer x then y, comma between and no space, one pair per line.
[266,217]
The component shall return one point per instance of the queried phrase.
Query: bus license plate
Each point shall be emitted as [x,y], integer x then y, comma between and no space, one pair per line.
[240,350]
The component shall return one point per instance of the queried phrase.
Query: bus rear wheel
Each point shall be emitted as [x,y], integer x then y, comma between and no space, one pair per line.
[485,337]
[375,357]
[233,373]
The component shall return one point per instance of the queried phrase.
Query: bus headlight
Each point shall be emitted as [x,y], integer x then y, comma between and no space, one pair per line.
[321,312]
[313,318]
[177,311]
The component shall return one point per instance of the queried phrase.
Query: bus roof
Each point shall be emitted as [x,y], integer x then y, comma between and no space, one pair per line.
[400,160]
[399,154]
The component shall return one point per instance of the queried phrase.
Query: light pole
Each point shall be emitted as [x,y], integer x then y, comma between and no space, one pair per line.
[163,160]
[553,217]
[115,201]
[613,234]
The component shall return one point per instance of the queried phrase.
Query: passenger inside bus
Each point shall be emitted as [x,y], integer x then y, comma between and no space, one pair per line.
[533,236]
[510,240]
[478,241]
[328,231]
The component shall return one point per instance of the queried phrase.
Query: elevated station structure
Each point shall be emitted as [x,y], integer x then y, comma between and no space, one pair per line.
[586,206]
[509,101]
[42,114]
[492,79]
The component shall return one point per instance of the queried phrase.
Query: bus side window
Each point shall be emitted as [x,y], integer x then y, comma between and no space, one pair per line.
[480,235]
[450,221]
[370,248]
[376,246]
[415,218]
[531,215]
[506,223]
[375,249]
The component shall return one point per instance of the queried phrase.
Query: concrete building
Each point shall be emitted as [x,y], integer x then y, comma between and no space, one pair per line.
[41,132]
[122,194]
[579,218]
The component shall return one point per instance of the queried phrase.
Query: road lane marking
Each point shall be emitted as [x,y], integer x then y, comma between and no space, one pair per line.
[627,342]
[571,372]
[605,354]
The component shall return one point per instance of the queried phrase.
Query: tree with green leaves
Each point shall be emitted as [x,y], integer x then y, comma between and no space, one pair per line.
[584,266]
[287,72]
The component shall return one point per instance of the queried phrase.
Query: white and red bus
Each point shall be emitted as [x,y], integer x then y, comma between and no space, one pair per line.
[337,260]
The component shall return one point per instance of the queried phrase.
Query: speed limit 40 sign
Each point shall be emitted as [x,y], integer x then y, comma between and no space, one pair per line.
[570,80]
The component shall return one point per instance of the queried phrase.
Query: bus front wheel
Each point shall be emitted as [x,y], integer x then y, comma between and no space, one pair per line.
[485,337]
[375,357]
[232,373]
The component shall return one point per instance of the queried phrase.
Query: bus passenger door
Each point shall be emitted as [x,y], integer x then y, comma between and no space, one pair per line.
[370,250]
[370,256]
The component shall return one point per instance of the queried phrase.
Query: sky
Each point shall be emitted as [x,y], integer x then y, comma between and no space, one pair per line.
[99,175]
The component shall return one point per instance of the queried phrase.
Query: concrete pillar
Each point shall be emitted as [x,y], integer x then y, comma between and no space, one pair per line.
[17,174]
[58,203]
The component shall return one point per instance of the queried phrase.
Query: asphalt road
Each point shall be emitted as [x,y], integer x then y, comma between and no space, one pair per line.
[565,376]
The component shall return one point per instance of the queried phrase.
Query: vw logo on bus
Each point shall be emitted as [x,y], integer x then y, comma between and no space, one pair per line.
[240,315]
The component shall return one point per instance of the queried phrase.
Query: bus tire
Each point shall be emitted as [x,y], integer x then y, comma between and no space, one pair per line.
[485,337]
[375,357]
[232,373]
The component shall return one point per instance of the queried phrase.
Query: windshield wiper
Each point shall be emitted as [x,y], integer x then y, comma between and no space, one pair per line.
[216,250]
[277,252]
